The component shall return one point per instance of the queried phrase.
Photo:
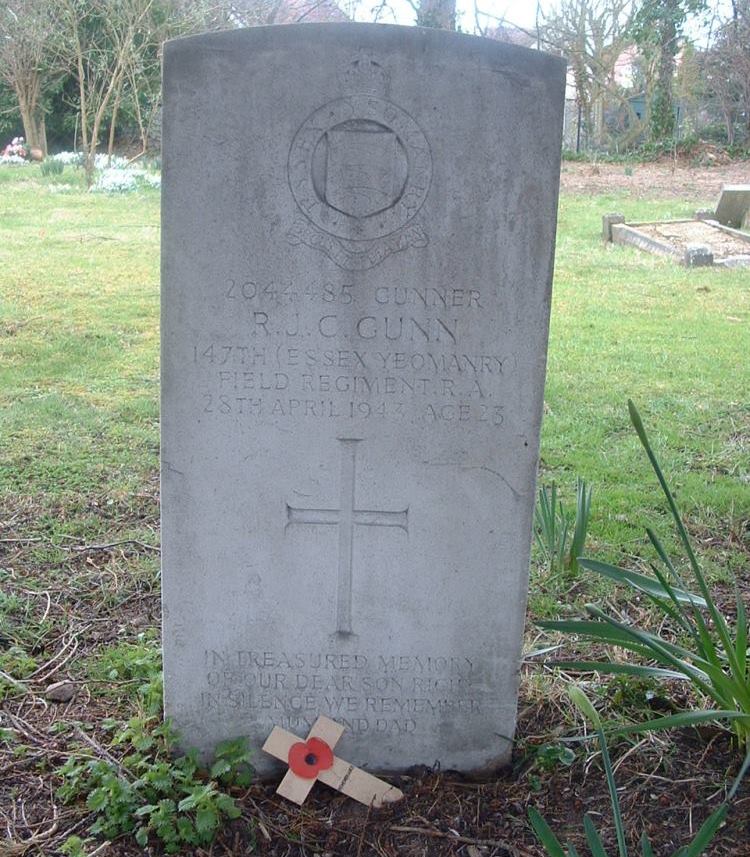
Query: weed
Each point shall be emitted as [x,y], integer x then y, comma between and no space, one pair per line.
[150,793]
[550,756]
[128,661]
[137,664]
[74,846]
[15,664]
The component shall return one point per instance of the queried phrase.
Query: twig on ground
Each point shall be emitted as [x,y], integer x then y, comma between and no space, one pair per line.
[16,849]
[103,753]
[362,834]
[110,545]
[14,682]
[51,670]
[454,837]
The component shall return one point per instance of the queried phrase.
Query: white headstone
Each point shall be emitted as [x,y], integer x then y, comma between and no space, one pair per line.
[733,205]
[358,236]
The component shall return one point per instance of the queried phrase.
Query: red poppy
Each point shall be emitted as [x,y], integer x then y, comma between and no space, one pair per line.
[308,758]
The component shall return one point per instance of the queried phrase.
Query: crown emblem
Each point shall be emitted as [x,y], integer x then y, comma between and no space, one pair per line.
[364,76]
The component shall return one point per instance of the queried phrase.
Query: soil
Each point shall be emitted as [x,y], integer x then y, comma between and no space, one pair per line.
[680,234]
[681,179]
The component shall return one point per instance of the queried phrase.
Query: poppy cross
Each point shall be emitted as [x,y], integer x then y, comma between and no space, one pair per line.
[313,760]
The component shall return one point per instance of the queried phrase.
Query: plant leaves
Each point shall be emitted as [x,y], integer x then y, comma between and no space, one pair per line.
[642,582]
[592,836]
[545,835]
[707,832]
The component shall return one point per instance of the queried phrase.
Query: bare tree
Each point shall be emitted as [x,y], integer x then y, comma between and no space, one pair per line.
[440,14]
[592,34]
[26,33]
[140,90]
[727,69]
[96,45]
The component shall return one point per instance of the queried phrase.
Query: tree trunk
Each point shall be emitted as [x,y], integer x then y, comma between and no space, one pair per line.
[33,121]
[112,124]
[662,106]
[729,123]
[440,14]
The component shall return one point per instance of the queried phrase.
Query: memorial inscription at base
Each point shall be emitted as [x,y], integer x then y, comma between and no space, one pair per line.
[356,288]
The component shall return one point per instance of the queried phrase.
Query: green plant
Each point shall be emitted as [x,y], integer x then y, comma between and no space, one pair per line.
[74,846]
[51,167]
[138,663]
[231,765]
[711,652]
[150,793]
[550,756]
[553,527]
[15,664]
[554,847]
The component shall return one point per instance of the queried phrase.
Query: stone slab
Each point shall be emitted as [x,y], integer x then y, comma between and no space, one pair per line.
[698,256]
[733,205]
[628,235]
[608,221]
[358,237]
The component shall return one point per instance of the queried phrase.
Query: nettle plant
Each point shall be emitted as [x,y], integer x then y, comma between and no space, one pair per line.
[151,793]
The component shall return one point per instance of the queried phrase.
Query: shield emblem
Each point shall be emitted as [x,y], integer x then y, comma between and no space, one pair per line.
[361,170]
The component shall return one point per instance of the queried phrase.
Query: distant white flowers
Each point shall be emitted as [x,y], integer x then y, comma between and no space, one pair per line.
[115,175]
[125,180]
[72,159]
[13,161]
[101,161]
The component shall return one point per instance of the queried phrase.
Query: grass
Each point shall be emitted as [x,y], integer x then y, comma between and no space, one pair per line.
[79,367]
[79,333]
[627,324]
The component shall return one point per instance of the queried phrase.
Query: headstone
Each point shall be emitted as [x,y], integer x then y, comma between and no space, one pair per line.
[358,235]
[733,205]
[698,256]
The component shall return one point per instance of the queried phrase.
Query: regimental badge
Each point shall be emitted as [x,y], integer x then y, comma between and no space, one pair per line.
[360,170]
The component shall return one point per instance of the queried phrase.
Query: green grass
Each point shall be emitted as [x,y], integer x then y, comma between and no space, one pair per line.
[627,324]
[79,296]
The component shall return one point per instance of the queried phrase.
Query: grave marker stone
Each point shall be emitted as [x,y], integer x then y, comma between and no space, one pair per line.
[733,205]
[358,236]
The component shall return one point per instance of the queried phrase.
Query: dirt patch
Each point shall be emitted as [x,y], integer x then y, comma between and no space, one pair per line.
[669,179]
[680,234]
[667,794]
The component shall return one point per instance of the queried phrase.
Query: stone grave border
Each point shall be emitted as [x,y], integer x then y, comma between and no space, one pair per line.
[616,231]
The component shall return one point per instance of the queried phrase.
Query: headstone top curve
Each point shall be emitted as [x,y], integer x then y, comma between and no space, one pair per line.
[395,36]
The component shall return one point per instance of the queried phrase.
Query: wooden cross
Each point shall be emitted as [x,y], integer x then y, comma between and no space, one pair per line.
[313,760]
[346,517]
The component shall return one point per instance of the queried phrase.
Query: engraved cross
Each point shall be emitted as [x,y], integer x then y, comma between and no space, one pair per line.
[346,517]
